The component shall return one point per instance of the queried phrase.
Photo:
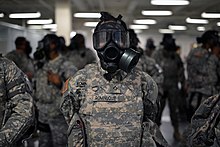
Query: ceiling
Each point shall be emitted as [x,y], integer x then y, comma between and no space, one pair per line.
[129,9]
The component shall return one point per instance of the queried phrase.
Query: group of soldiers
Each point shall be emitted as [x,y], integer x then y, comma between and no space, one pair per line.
[117,101]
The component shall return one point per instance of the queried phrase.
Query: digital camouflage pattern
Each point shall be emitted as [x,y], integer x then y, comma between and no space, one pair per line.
[48,97]
[81,57]
[16,104]
[205,125]
[203,71]
[21,60]
[110,113]
[149,65]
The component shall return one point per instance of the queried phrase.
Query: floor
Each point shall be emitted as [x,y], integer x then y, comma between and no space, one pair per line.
[167,129]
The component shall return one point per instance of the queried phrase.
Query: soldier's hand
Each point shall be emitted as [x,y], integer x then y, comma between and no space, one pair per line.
[54,78]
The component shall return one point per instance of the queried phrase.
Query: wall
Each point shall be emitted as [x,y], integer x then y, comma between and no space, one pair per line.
[9,32]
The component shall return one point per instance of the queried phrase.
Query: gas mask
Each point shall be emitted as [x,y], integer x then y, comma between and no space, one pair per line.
[43,50]
[111,41]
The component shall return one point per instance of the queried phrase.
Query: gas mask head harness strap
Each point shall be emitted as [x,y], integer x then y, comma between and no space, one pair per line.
[111,41]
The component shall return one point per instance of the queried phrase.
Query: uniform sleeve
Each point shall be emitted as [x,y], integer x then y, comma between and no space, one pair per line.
[91,56]
[212,70]
[156,72]
[204,123]
[69,107]
[68,70]
[150,99]
[20,111]
[70,103]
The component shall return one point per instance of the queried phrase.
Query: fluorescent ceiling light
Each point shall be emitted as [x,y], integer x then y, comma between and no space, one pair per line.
[35,27]
[50,26]
[25,15]
[201,29]
[40,21]
[169,2]
[210,15]
[87,15]
[91,24]
[138,27]
[137,31]
[53,29]
[166,31]
[177,28]
[197,21]
[72,34]
[218,24]
[156,13]
[145,21]
[1,15]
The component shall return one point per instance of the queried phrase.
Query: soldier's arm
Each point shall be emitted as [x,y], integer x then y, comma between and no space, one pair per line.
[70,106]
[19,114]
[150,97]
[91,56]
[70,103]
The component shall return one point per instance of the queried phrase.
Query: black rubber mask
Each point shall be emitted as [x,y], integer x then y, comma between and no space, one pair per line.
[113,50]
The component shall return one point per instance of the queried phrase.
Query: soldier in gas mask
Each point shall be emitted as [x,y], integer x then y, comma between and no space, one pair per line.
[111,104]
[49,80]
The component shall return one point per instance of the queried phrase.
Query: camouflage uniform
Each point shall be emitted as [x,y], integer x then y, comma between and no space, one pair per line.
[202,68]
[22,61]
[173,72]
[16,104]
[81,57]
[205,125]
[149,65]
[48,100]
[110,113]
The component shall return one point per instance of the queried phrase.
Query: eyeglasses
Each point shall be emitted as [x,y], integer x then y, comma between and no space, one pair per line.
[101,38]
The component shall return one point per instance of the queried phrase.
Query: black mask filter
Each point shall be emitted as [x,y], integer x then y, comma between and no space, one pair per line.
[111,41]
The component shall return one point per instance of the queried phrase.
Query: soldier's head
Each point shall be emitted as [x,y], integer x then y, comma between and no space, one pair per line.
[209,39]
[168,42]
[51,45]
[20,43]
[111,41]
[77,42]
[133,39]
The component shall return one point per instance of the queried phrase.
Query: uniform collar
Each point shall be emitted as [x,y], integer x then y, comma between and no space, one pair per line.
[119,75]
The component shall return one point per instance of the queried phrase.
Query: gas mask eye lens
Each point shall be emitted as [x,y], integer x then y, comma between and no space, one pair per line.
[121,39]
[100,39]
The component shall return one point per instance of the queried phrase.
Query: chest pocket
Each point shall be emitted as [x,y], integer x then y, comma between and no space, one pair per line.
[112,114]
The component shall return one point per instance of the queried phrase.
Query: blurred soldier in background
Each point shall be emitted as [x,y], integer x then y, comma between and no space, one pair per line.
[150,47]
[16,105]
[49,81]
[19,56]
[148,65]
[202,69]
[64,49]
[173,71]
[114,103]
[79,54]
